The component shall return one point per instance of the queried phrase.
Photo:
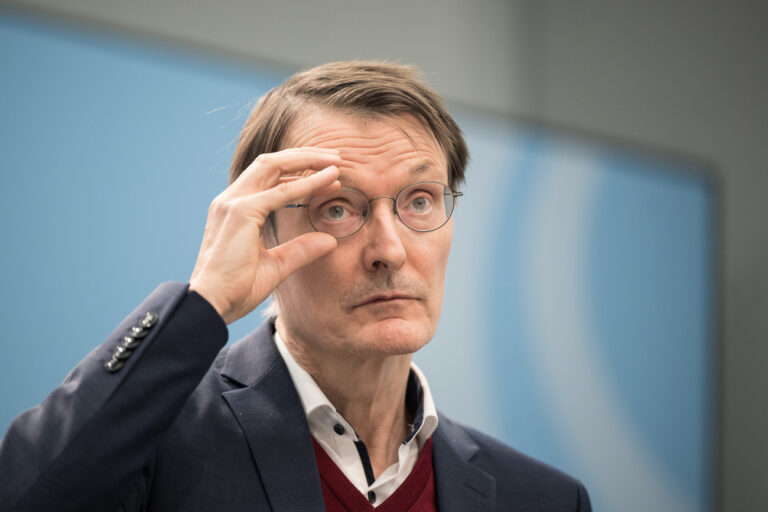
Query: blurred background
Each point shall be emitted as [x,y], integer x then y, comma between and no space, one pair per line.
[606,301]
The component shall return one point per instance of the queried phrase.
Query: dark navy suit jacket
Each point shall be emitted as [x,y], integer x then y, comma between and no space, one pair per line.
[190,426]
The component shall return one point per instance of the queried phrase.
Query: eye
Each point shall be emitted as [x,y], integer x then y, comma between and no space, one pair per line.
[335,212]
[420,203]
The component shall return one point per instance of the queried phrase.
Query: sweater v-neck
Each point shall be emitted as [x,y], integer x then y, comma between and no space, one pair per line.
[415,494]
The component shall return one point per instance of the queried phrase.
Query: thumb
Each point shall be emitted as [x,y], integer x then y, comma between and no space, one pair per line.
[301,251]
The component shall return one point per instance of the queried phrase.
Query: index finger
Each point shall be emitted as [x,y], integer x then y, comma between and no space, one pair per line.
[265,171]
[292,190]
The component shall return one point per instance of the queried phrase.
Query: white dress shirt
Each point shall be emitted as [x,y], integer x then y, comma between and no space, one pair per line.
[341,443]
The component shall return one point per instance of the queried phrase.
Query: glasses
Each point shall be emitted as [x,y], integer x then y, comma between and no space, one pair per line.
[423,206]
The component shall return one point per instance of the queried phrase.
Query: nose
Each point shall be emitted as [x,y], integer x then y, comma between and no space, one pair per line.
[384,247]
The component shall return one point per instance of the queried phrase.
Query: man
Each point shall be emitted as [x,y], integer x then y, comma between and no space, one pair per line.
[340,203]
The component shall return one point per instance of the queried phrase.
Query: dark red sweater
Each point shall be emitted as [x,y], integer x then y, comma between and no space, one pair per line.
[416,494]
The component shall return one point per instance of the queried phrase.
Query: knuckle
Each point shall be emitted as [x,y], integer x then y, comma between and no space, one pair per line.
[218,205]
[283,192]
[247,208]
[223,207]
[239,204]
[265,159]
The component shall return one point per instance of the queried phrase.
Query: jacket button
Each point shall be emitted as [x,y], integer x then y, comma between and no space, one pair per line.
[138,332]
[113,364]
[122,353]
[339,429]
[149,320]
[131,343]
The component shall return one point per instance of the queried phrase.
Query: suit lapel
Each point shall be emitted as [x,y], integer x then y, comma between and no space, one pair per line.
[270,413]
[461,486]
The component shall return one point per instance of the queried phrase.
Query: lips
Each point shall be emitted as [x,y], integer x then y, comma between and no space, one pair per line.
[385,298]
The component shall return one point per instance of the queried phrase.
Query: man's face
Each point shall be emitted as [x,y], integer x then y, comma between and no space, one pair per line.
[380,291]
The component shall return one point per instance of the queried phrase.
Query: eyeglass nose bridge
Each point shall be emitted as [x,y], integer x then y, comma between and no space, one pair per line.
[394,210]
[371,200]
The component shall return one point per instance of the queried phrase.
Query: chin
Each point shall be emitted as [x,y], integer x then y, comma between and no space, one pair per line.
[395,336]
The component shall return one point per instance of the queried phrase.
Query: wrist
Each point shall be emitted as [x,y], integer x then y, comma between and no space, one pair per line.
[211,298]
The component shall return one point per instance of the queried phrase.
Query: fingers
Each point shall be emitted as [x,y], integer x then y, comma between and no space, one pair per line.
[235,272]
[291,191]
[300,251]
[265,171]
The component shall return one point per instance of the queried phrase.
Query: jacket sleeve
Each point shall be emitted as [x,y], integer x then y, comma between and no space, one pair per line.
[87,444]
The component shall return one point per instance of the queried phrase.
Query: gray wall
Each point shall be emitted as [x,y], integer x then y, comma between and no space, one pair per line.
[686,76]
[483,36]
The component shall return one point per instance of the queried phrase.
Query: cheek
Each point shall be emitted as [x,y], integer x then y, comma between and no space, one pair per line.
[442,260]
[321,280]
[442,247]
[290,223]
[431,259]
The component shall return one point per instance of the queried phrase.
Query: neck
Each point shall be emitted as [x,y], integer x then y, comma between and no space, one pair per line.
[369,392]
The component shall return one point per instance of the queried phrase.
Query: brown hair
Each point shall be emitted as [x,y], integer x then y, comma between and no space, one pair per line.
[358,87]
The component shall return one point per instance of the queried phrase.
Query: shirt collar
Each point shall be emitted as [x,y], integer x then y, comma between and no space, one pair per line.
[418,397]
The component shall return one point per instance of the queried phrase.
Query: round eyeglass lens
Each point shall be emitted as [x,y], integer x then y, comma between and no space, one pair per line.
[425,206]
[340,214]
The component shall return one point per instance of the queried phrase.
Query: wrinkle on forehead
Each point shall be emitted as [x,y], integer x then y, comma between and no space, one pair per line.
[367,141]
[421,171]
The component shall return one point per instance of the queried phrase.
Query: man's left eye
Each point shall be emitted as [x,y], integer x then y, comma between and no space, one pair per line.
[420,204]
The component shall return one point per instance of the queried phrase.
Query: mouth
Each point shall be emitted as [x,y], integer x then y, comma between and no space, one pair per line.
[386,299]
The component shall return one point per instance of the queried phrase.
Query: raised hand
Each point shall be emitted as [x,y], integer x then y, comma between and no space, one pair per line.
[234,271]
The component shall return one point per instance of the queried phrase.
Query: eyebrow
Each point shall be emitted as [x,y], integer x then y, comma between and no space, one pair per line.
[420,168]
[416,170]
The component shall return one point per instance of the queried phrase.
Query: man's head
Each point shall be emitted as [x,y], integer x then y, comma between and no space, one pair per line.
[380,291]
[365,89]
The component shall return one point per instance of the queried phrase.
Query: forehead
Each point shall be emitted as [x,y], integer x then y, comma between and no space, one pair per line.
[370,145]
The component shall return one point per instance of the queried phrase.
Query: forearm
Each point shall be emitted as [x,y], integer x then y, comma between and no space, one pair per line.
[86,442]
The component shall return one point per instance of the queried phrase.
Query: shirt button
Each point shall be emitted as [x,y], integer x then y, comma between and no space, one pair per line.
[339,429]
[372,496]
